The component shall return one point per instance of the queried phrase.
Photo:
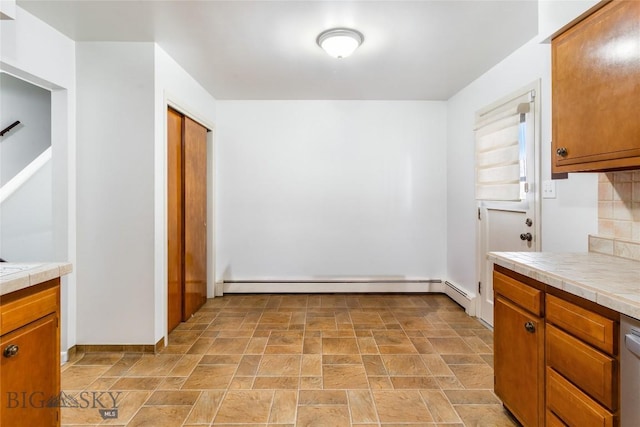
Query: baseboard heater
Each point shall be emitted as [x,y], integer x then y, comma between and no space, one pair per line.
[461,296]
[347,285]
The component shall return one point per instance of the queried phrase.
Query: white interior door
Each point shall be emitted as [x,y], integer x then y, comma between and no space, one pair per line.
[502,229]
[511,226]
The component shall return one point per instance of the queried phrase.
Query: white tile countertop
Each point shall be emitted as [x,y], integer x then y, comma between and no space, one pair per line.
[15,276]
[604,279]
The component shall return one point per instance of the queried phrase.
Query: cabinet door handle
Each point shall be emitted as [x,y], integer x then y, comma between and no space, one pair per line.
[10,350]
[562,152]
[530,327]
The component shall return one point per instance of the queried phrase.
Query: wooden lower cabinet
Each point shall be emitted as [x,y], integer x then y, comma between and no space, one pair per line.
[519,361]
[556,365]
[30,356]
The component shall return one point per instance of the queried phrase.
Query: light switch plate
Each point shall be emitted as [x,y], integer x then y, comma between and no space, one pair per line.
[549,189]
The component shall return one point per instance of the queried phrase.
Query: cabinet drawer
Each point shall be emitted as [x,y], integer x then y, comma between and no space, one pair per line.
[592,371]
[572,406]
[527,297]
[31,305]
[553,421]
[590,327]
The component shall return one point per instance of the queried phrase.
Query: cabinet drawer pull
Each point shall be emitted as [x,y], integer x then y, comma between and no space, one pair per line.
[530,327]
[562,152]
[11,350]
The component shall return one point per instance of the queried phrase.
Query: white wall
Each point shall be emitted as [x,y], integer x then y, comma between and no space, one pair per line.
[26,217]
[553,15]
[35,52]
[326,189]
[115,172]
[566,221]
[31,105]
[7,9]
[26,220]
[175,87]
[123,91]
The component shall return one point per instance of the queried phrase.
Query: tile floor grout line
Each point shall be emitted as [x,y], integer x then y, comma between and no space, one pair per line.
[193,406]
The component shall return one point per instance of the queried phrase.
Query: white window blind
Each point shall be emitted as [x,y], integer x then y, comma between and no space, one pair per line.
[500,150]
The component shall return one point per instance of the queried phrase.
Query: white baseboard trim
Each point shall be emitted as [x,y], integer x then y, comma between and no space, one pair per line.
[329,286]
[219,289]
[460,295]
[463,297]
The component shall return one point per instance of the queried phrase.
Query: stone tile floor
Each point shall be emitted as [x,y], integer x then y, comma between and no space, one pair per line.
[300,360]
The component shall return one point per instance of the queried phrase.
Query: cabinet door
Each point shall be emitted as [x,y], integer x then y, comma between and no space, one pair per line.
[519,362]
[595,91]
[31,376]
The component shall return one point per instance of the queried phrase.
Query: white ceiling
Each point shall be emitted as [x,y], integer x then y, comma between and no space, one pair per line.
[422,50]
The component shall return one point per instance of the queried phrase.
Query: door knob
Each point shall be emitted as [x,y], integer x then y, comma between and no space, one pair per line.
[526,236]
[562,152]
[530,327]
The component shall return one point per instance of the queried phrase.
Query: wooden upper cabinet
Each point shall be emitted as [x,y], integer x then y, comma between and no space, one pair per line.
[595,91]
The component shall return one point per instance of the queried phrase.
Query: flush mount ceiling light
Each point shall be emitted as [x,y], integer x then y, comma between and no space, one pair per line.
[340,42]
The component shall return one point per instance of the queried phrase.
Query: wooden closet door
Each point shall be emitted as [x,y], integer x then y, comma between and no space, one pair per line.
[174,219]
[195,216]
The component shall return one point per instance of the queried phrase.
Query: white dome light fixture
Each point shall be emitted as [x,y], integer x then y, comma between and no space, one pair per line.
[340,42]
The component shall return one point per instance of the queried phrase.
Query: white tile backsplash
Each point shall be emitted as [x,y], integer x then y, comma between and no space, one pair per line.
[618,215]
